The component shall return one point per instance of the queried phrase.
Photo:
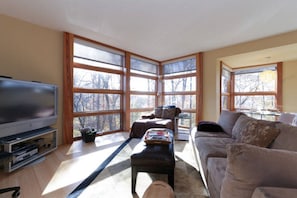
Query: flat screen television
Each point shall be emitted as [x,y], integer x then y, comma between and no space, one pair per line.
[26,106]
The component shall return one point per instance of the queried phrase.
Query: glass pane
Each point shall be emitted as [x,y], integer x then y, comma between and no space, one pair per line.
[188,122]
[142,101]
[102,123]
[95,53]
[96,64]
[253,82]
[226,73]
[143,66]
[180,84]
[180,66]
[142,84]
[89,102]
[224,101]
[181,101]
[226,76]
[89,79]
[262,115]
[255,103]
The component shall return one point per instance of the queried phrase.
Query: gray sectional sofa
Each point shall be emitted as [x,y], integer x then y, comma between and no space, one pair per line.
[241,157]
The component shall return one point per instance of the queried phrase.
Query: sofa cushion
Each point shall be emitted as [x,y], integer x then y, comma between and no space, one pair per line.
[250,166]
[216,172]
[286,118]
[211,147]
[286,139]
[274,192]
[252,131]
[227,120]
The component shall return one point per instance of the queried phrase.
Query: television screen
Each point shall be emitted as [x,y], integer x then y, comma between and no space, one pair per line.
[26,106]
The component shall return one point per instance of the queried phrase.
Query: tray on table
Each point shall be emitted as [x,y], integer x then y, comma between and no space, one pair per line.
[157,136]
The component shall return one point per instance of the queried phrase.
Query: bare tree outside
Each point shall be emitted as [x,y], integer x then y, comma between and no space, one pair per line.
[97,101]
[177,87]
[249,83]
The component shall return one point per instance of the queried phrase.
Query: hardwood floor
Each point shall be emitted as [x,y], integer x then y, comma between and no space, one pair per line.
[61,171]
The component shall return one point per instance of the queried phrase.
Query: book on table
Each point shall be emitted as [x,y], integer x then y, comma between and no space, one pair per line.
[157,136]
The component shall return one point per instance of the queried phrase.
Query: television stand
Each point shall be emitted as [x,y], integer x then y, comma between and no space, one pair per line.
[27,147]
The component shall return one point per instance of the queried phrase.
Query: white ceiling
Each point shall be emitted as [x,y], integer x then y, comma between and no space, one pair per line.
[160,29]
[270,55]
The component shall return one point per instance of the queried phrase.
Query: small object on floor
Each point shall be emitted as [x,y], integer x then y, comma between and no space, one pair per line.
[158,189]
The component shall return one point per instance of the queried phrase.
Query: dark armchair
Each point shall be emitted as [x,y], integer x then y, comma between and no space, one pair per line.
[163,117]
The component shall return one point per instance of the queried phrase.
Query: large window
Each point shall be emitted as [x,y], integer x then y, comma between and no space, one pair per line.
[97,87]
[179,85]
[143,87]
[255,91]
[108,89]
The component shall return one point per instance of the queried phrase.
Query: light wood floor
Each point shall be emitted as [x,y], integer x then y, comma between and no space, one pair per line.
[61,171]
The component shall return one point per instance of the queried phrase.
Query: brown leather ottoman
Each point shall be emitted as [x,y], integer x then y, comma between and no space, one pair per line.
[153,158]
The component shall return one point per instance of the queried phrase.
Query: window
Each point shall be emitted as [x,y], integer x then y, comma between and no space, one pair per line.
[142,84]
[97,85]
[180,87]
[187,65]
[143,87]
[90,79]
[225,88]
[108,89]
[95,55]
[255,90]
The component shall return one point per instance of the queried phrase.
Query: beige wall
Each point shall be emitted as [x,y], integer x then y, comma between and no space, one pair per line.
[211,70]
[30,52]
[33,53]
[289,86]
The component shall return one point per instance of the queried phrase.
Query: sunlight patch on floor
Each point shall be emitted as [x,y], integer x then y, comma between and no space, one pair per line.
[79,168]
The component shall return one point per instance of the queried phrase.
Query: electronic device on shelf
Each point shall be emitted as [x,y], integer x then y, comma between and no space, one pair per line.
[26,106]
[24,153]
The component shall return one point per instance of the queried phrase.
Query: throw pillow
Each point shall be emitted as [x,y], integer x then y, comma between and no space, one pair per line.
[168,113]
[209,126]
[250,166]
[256,132]
[158,112]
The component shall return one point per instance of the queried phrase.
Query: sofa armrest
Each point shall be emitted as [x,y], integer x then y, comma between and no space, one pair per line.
[249,167]
[151,116]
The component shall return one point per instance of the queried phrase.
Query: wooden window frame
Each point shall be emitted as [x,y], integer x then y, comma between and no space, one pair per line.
[125,90]
[199,84]
[278,93]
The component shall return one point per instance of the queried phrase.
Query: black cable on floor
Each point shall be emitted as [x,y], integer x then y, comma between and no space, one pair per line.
[82,186]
